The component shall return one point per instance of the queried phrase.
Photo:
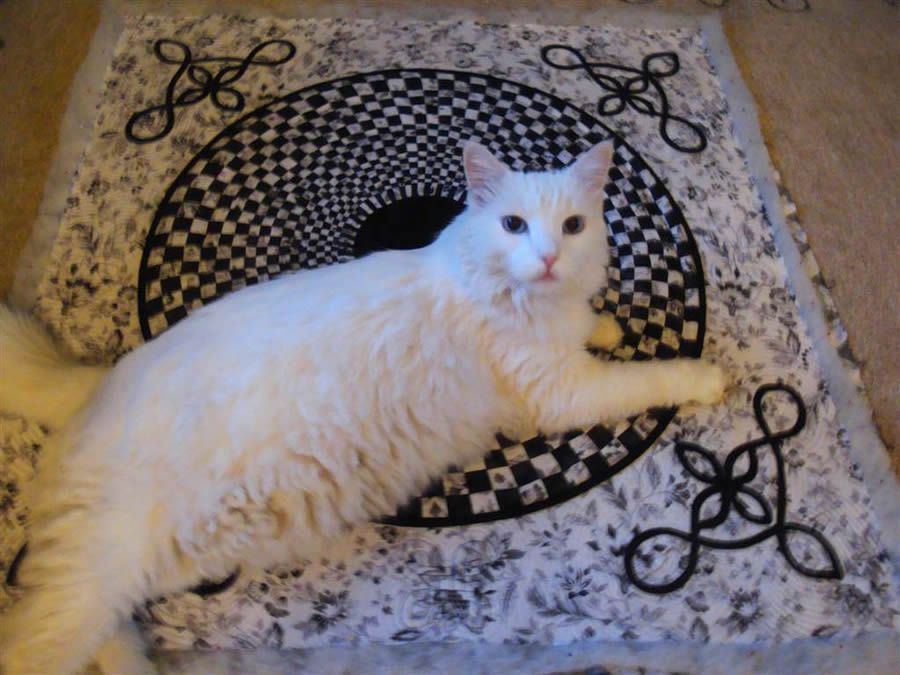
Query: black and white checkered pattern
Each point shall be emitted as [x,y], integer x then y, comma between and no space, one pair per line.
[289,186]
[656,286]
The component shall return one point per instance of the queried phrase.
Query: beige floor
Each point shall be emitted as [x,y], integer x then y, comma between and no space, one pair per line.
[825,81]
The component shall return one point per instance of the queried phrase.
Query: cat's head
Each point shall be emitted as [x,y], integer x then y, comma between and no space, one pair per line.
[540,234]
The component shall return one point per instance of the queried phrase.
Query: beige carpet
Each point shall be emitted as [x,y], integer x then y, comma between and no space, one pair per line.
[825,81]
[43,43]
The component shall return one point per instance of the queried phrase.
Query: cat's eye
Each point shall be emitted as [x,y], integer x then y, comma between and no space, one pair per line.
[514,224]
[573,225]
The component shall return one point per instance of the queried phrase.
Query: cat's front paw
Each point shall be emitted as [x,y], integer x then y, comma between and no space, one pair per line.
[608,333]
[710,384]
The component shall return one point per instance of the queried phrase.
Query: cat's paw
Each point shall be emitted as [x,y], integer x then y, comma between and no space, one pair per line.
[607,334]
[710,384]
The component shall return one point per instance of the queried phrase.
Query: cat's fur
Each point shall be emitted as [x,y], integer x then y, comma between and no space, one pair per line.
[272,421]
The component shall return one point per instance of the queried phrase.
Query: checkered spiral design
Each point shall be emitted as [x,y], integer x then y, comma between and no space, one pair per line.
[290,185]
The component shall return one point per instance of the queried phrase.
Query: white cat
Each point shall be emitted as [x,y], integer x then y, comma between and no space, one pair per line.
[277,418]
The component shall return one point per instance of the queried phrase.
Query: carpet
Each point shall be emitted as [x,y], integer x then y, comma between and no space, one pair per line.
[743,523]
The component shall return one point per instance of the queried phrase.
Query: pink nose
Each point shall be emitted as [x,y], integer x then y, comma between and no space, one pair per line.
[549,260]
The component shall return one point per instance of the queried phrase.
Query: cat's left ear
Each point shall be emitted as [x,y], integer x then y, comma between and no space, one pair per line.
[591,168]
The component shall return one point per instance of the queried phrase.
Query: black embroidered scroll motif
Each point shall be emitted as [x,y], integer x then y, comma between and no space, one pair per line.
[641,89]
[216,86]
[733,493]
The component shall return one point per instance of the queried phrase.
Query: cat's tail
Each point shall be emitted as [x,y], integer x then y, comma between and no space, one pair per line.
[39,380]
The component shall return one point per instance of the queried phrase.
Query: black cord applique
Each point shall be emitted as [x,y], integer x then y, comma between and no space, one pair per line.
[215,86]
[634,88]
[733,493]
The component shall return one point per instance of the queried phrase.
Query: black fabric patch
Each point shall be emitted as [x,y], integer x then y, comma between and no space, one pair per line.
[413,222]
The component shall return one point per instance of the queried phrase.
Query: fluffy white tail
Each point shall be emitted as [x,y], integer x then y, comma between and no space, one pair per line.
[38,379]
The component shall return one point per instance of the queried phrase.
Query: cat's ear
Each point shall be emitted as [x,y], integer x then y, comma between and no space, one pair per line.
[484,173]
[591,169]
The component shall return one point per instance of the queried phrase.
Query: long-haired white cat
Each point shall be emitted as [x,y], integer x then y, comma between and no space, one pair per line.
[277,418]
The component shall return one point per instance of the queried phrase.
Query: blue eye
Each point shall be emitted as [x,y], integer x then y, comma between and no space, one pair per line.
[573,225]
[514,224]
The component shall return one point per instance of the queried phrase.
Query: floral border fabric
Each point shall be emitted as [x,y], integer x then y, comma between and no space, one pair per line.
[556,575]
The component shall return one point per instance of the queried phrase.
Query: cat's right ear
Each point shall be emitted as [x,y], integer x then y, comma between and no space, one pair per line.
[484,173]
